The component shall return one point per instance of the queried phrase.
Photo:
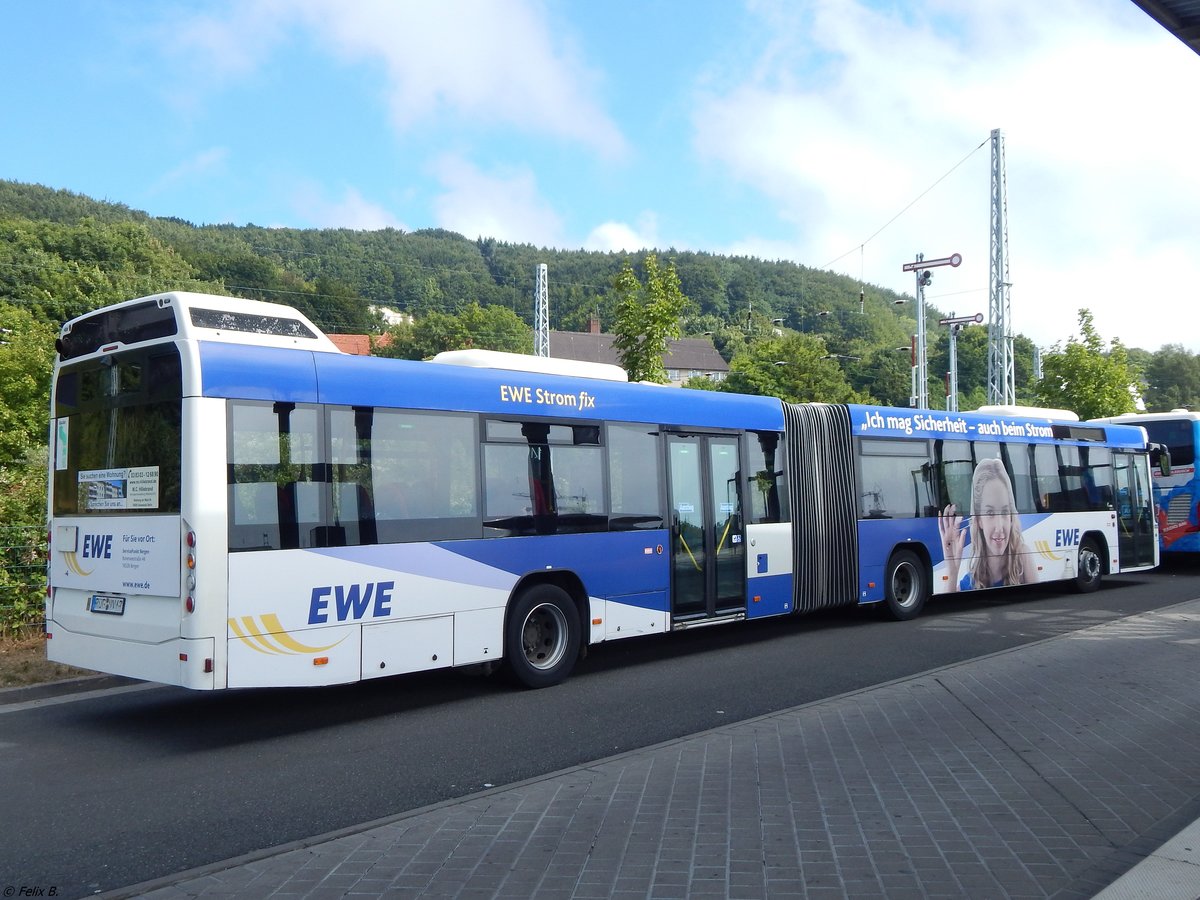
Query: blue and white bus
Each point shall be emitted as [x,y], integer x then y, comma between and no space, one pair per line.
[234,503]
[1177,486]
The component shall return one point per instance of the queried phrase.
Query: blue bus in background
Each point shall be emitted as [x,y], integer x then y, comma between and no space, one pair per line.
[235,503]
[1176,491]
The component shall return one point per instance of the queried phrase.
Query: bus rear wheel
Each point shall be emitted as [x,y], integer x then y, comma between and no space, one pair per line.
[906,585]
[541,636]
[1089,567]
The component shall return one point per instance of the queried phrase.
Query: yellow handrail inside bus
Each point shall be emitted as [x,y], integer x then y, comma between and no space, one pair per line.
[683,541]
[725,534]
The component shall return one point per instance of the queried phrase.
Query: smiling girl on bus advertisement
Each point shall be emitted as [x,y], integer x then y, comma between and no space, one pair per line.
[997,549]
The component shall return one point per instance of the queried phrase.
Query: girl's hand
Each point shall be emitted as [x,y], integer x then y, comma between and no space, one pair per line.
[952,529]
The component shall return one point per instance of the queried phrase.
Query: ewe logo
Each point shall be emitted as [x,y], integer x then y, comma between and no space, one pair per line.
[1064,538]
[95,546]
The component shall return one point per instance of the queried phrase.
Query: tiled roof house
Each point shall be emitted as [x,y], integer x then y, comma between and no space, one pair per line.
[685,357]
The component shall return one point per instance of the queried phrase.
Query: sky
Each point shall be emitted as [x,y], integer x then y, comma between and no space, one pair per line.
[849,135]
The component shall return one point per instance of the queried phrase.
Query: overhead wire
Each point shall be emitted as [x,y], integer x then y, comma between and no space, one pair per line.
[860,247]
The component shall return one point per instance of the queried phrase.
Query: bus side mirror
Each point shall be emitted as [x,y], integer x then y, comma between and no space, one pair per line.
[1161,456]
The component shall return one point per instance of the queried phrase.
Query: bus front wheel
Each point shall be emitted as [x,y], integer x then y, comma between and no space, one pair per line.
[906,586]
[1089,567]
[541,637]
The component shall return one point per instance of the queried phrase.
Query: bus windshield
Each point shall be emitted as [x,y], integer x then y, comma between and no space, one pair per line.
[117,433]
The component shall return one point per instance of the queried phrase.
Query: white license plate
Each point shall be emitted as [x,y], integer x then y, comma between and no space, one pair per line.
[103,603]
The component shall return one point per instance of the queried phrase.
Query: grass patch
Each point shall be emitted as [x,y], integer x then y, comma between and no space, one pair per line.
[23,662]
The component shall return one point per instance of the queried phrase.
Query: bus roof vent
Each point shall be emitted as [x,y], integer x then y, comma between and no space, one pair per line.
[1029,412]
[520,362]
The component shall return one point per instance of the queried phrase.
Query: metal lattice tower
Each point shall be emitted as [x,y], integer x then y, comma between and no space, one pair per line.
[541,314]
[1001,376]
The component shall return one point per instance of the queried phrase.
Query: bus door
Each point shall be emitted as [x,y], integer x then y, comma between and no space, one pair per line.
[1135,510]
[708,568]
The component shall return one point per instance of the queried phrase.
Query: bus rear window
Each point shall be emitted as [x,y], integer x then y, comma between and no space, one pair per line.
[126,325]
[117,434]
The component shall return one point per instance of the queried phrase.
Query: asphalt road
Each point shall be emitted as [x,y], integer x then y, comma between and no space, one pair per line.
[115,788]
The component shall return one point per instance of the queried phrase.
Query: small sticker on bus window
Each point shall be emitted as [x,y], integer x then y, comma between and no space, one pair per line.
[62,431]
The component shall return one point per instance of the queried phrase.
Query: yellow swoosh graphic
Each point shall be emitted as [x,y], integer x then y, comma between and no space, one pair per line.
[272,638]
[73,564]
[1043,547]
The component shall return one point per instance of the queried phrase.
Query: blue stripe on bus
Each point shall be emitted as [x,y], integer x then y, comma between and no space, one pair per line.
[611,564]
[297,376]
[921,424]
[257,373]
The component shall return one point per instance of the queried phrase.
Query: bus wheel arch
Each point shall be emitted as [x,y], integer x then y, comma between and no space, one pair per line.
[906,582]
[543,629]
[1091,563]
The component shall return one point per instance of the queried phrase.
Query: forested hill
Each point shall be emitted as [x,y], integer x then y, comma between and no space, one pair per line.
[65,253]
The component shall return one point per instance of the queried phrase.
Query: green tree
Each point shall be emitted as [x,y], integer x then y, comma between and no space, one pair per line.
[26,360]
[424,337]
[1172,379]
[1081,376]
[479,327]
[795,368]
[496,328]
[647,317]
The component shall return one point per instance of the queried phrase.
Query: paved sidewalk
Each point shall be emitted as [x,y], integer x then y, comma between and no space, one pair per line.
[1045,771]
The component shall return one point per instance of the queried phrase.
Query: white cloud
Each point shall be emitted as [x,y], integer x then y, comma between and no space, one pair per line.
[507,65]
[617,237]
[226,46]
[854,112]
[351,211]
[485,62]
[204,163]
[503,204]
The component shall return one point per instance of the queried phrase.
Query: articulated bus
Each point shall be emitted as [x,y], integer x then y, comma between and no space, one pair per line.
[1177,486]
[234,503]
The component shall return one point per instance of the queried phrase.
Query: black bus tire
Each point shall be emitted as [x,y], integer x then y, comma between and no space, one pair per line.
[541,636]
[1089,567]
[906,585]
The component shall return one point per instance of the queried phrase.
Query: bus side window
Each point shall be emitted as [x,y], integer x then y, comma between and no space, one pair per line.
[635,477]
[275,496]
[767,491]
[954,472]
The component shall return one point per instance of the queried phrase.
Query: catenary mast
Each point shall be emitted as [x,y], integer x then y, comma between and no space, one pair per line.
[1001,376]
[541,314]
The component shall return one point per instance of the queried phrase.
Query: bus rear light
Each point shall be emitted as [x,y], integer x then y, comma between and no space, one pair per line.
[191,539]
[183,657]
[190,604]
[208,666]
[191,560]
[320,660]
